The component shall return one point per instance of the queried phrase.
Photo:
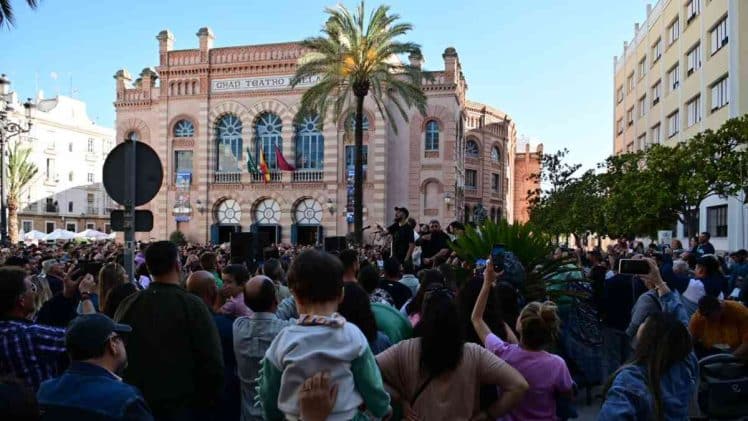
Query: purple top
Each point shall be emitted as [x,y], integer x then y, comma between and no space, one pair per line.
[546,374]
[235,306]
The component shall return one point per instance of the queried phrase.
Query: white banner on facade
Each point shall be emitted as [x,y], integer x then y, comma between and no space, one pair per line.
[260,83]
[664,237]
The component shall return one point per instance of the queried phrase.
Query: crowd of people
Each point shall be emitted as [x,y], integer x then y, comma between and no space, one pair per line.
[372,332]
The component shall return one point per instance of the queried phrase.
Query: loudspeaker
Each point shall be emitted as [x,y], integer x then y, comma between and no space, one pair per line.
[243,247]
[335,244]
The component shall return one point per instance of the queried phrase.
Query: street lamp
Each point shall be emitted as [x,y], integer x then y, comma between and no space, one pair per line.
[8,129]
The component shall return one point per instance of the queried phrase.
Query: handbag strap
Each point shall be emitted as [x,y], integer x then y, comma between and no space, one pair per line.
[421,389]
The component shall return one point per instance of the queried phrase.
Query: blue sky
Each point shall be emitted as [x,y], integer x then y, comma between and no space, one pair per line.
[548,63]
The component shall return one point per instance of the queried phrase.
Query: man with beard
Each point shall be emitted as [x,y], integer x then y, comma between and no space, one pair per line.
[403,239]
[96,346]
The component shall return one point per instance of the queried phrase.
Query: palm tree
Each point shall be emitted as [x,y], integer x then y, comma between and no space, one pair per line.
[6,11]
[20,173]
[353,56]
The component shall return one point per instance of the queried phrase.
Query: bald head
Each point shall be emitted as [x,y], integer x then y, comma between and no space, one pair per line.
[203,284]
[259,294]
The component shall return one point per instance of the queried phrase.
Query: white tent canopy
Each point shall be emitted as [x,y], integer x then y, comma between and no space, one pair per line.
[33,235]
[60,234]
[92,235]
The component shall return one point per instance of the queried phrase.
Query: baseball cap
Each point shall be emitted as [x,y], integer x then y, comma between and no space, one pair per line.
[89,331]
[403,210]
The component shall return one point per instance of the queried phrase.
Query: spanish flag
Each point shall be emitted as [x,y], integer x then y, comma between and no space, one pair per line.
[264,167]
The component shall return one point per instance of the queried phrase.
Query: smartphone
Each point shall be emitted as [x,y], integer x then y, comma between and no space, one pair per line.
[497,257]
[633,266]
[481,263]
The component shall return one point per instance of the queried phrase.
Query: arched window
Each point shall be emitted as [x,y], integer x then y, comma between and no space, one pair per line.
[229,144]
[267,137]
[432,136]
[310,145]
[184,128]
[471,149]
[495,154]
[351,123]
[132,135]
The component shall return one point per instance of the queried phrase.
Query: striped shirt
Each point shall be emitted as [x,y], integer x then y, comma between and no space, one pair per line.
[31,352]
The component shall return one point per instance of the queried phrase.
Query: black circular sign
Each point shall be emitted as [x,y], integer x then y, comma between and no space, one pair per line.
[148,176]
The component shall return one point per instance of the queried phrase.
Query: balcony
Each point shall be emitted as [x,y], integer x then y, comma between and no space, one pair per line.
[471,190]
[51,208]
[228,178]
[275,177]
[306,176]
[92,210]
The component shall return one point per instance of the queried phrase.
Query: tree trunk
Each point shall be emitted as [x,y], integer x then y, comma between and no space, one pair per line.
[358,172]
[13,220]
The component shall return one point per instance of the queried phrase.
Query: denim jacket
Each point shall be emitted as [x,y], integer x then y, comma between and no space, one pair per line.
[98,395]
[629,398]
[252,337]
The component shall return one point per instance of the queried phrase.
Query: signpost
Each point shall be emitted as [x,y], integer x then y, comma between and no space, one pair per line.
[132,176]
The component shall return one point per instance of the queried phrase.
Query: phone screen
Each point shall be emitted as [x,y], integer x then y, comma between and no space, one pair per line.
[497,257]
[633,266]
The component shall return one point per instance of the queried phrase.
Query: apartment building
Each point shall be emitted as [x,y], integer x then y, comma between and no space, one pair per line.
[682,74]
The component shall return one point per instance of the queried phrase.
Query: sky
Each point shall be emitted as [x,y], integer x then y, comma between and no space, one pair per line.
[547,63]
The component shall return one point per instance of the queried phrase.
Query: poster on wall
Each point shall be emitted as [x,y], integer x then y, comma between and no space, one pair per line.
[182,206]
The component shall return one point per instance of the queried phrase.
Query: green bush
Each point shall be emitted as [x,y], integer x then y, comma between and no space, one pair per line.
[532,247]
[178,238]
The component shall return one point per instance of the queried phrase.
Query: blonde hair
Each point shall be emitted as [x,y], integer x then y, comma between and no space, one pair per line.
[540,324]
[111,276]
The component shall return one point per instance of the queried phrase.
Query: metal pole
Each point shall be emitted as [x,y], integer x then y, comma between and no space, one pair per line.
[130,164]
[3,199]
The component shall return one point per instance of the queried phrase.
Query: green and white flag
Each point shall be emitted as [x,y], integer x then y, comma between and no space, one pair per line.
[251,165]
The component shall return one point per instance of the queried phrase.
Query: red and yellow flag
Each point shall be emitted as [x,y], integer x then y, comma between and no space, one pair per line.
[264,167]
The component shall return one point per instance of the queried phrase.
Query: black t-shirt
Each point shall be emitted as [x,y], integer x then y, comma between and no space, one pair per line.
[402,237]
[399,292]
[436,242]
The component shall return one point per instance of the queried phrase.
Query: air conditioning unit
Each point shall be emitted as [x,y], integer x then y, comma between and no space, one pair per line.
[655,101]
[690,72]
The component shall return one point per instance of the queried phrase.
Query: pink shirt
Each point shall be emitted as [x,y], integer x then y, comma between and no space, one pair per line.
[235,306]
[546,374]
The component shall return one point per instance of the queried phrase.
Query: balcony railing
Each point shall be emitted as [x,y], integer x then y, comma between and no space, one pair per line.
[51,208]
[92,210]
[228,178]
[275,177]
[305,176]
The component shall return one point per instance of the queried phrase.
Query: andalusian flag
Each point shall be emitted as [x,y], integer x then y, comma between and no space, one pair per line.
[264,167]
[251,165]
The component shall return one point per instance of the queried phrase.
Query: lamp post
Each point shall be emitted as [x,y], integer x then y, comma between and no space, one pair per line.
[8,129]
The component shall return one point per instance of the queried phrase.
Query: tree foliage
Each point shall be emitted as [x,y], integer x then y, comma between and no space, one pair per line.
[357,57]
[641,192]
[6,11]
[20,172]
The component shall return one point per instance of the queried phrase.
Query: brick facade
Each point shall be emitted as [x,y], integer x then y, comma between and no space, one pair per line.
[203,85]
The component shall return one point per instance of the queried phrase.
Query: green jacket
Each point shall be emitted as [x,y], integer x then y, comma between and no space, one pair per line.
[174,352]
[390,321]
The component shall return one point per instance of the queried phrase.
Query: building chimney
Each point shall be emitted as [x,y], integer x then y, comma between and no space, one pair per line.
[416,59]
[123,80]
[636,28]
[450,65]
[206,42]
[625,45]
[649,9]
[165,44]
[148,80]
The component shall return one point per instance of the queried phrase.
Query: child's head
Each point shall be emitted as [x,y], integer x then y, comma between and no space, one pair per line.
[538,325]
[316,277]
